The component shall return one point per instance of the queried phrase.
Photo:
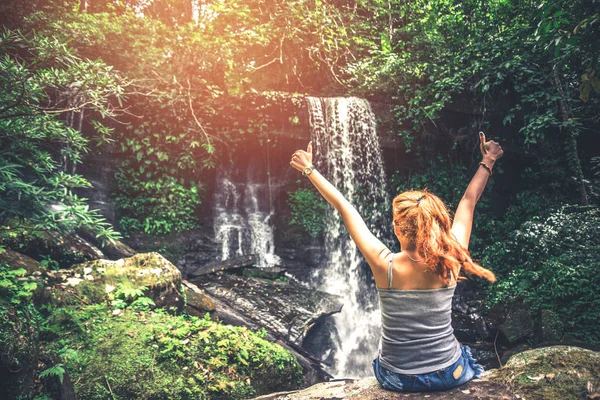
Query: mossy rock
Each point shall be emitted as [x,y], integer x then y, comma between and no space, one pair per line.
[154,355]
[97,281]
[37,244]
[553,373]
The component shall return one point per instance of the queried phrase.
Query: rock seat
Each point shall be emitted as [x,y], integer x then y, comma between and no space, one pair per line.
[555,372]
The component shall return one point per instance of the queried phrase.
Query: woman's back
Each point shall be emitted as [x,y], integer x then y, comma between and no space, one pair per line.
[417,335]
[409,274]
[416,310]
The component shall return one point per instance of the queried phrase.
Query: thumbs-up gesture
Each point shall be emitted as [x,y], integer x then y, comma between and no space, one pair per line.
[490,150]
[302,159]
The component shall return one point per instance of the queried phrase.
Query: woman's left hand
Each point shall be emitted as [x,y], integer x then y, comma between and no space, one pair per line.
[302,159]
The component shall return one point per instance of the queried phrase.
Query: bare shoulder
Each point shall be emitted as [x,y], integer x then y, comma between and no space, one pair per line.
[379,267]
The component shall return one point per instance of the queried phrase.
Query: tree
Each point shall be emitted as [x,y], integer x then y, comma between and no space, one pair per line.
[46,93]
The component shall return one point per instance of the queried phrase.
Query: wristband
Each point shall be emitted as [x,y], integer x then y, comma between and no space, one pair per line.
[487,167]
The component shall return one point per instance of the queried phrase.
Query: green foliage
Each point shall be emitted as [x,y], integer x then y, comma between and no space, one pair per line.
[133,298]
[56,370]
[49,263]
[308,211]
[553,264]
[156,355]
[18,332]
[156,206]
[39,149]
[440,177]
[13,286]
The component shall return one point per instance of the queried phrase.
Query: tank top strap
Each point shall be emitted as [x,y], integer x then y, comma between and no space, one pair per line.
[390,272]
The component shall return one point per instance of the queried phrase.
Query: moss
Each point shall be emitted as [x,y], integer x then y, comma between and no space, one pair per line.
[19,349]
[94,281]
[559,373]
[153,355]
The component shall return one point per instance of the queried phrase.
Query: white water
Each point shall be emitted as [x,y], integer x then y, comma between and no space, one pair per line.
[343,131]
[242,217]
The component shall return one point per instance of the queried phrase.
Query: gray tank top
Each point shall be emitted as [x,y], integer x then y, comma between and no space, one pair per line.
[416,331]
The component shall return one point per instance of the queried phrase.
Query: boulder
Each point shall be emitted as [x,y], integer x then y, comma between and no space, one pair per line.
[557,372]
[287,308]
[17,260]
[225,265]
[369,389]
[271,273]
[37,244]
[288,311]
[97,281]
[197,302]
[112,249]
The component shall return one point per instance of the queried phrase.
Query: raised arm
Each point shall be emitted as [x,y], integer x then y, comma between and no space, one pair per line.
[371,248]
[463,218]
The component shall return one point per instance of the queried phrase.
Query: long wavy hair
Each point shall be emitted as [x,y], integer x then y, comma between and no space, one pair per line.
[425,221]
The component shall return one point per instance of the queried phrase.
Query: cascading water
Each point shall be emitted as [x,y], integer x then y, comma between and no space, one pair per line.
[242,213]
[347,152]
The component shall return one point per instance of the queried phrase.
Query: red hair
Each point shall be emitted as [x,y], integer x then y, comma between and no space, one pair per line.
[425,221]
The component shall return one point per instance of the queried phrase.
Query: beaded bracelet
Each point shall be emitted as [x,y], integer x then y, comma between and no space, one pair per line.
[487,167]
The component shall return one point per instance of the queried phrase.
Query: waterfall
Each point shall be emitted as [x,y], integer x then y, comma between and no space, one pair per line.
[242,217]
[343,131]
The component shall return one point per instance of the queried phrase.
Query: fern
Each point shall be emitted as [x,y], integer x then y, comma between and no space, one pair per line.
[142,304]
[55,370]
[129,293]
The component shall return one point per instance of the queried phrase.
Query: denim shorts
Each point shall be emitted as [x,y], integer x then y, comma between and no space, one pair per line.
[462,371]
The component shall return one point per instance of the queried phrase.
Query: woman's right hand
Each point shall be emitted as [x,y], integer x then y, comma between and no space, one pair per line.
[490,150]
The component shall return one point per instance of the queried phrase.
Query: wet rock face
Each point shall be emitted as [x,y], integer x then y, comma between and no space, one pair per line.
[285,307]
[94,281]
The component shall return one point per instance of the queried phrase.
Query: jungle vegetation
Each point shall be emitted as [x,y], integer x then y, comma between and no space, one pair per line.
[167,86]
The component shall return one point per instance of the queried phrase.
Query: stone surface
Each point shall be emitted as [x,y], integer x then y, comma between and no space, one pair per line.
[518,325]
[113,250]
[198,303]
[17,260]
[37,244]
[369,389]
[271,273]
[288,311]
[216,266]
[287,308]
[95,281]
[557,372]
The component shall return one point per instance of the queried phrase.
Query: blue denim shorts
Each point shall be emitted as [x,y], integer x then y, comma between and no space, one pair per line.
[462,371]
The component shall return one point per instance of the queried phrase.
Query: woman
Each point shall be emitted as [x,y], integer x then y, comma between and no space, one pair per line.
[418,350]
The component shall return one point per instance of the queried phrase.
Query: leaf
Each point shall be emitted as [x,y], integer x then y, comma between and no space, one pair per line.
[386,46]
[584,89]
[56,370]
